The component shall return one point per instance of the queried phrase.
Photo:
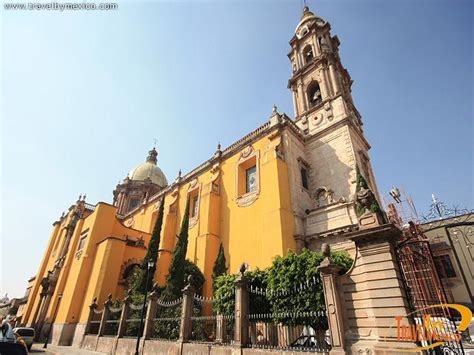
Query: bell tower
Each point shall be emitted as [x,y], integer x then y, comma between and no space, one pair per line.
[335,144]
[320,85]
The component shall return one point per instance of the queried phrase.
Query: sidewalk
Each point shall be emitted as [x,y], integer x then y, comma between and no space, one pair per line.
[53,350]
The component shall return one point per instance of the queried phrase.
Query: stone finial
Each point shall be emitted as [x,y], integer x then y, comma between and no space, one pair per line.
[84,197]
[326,250]
[275,117]
[218,151]
[178,178]
[127,296]
[243,268]
[189,287]
[93,305]
[109,299]
[79,198]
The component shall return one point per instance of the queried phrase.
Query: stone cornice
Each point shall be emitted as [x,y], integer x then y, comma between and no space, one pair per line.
[390,232]
[323,59]
[345,121]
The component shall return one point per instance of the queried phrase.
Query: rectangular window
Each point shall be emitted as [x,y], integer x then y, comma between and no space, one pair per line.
[195,206]
[248,183]
[304,178]
[444,266]
[133,203]
[82,241]
[251,179]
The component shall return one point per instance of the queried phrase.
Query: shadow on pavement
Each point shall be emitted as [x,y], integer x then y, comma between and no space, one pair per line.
[37,349]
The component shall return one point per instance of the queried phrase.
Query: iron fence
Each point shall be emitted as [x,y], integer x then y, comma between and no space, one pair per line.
[167,320]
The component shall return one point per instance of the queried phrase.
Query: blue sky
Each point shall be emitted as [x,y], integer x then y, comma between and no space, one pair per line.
[84,94]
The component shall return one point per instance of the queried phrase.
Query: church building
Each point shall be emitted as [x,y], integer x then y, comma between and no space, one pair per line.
[287,185]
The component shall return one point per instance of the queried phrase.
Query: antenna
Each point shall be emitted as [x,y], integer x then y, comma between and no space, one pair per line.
[303,4]
[154,143]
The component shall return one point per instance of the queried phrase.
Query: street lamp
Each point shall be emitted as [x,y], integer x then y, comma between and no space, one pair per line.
[140,330]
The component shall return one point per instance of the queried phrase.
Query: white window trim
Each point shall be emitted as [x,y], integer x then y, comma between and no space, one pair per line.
[192,188]
[248,198]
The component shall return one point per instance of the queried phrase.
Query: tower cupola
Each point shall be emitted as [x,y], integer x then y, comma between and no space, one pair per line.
[320,85]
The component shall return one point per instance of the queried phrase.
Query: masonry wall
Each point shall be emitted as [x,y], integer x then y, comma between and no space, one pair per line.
[372,292]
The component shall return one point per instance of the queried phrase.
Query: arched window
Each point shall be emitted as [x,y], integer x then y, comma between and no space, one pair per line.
[323,44]
[314,94]
[308,54]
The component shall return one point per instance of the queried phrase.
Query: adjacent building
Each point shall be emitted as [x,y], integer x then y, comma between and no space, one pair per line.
[452,244]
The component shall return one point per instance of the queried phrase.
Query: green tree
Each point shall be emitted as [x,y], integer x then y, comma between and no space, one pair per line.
[151,254]
[220,267]
[289,274]
[198,279]
[175,278]
[224,299]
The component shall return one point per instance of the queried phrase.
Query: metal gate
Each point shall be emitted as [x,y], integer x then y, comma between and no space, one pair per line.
[424,289]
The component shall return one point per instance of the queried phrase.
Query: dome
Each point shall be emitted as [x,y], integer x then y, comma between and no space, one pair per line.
[149,170]
[307,20]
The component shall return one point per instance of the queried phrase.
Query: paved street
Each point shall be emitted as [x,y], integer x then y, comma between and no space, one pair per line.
[53,350]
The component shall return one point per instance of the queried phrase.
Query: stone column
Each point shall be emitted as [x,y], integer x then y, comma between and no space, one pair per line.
[301,95]
[105,315]
[220,328]
[40,303]
[317,50]
[325,91]
[329,271]
[334,79]
[241,330]
[150,313]
[124,316]
[43,312]
[187,311]
[295,105]
[92,308]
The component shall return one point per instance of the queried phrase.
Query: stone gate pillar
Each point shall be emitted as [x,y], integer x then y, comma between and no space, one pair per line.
[124,316]
[187,311]
[329,273]
[92,308]
[105,315]
[241,330]
[150,312]
[374,293]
